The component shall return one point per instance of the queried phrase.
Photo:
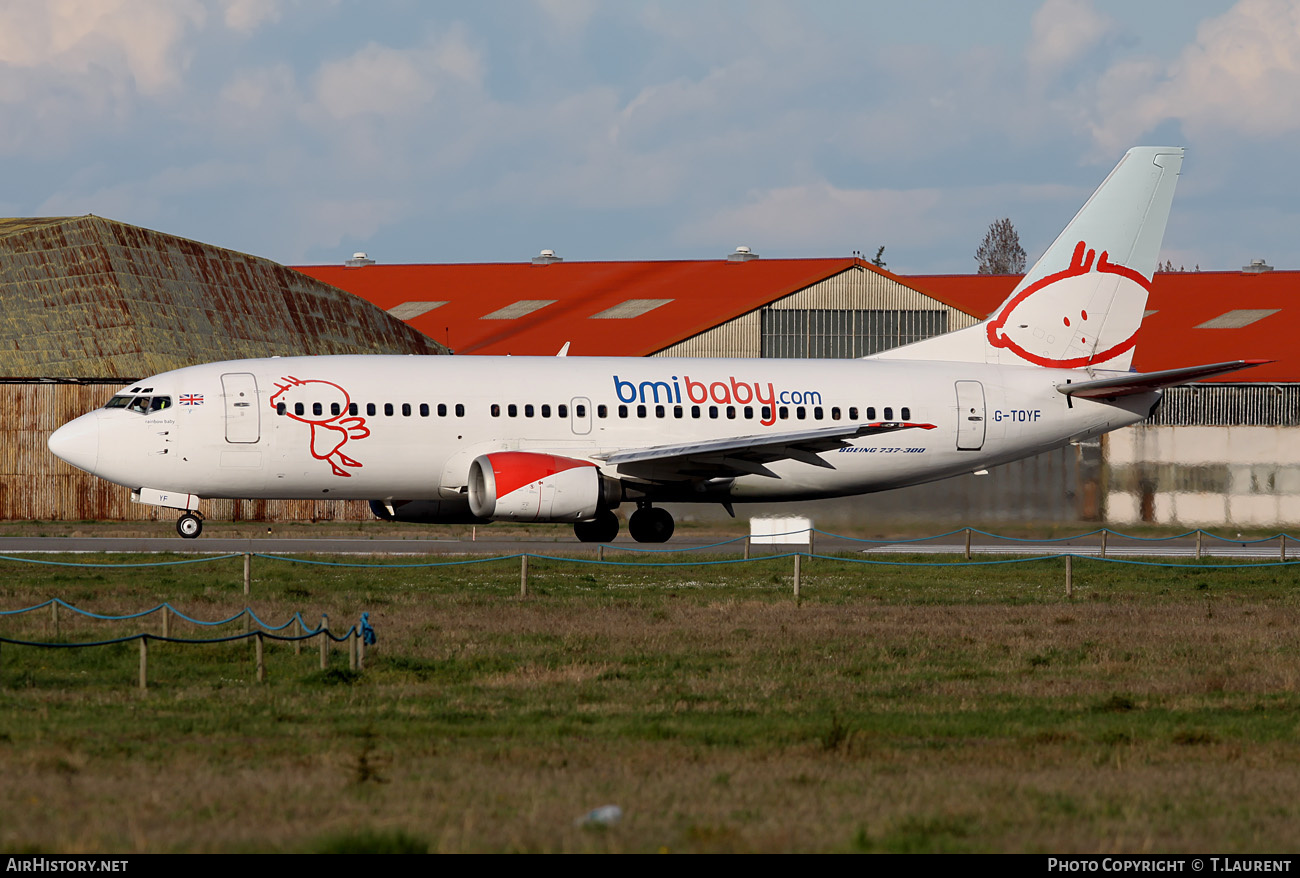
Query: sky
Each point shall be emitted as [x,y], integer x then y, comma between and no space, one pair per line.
[424,131]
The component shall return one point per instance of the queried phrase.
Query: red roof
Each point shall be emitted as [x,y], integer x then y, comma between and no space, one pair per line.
[676,300]
[657,304]
[1248,317]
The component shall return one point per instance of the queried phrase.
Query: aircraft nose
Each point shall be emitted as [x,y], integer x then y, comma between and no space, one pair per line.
[77,442]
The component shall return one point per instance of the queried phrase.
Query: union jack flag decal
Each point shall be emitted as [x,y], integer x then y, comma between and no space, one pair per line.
[191,399]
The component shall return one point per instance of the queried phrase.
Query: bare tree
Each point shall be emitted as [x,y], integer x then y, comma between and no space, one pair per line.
[1001,253]
[879,261]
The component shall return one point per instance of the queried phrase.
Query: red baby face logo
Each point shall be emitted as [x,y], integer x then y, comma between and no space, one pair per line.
[319,400]
[1048,323]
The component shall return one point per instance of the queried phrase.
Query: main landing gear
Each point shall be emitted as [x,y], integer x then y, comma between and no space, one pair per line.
[650,524]
[647,525]
[189,525]
[603,529]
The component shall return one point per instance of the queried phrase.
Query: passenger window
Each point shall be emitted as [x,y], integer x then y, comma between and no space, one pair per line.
[835,413]
[640,411]
[767,413]
[853,413]
[800,412]
[817,413]
[496,410]
[695,411]
[871,413]
[424,410]
[336,409]
[442,410]
[546,411]
[317,409]
[299,409]
[731,412]
[622,411]
[713,411]
[580,410]
[677,411]
[406,409]
[749,413]
[889,413]
[906,414]
[352,409]
[528,410]
[512,410]
[460,410]
[370,409]
[280,408]
[388,409]
[784,412]
[659,411]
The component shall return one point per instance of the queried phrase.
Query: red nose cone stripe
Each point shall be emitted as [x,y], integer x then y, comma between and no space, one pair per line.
[515,469]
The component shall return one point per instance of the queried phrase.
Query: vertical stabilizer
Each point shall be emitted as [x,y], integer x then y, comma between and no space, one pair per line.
[1081,305]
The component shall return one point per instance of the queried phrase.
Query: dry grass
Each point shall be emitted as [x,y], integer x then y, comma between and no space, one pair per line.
[891,711]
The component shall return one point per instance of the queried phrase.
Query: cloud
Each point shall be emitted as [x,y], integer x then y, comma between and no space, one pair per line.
[1241,77]
[1063,32]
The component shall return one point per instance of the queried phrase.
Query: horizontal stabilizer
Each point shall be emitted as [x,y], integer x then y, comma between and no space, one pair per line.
[1145,382]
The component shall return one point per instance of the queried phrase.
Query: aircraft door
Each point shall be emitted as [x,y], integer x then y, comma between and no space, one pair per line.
[243,415]
[970,416]
[580,415]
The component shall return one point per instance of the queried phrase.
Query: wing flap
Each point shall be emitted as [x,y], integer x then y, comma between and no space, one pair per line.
[745,455]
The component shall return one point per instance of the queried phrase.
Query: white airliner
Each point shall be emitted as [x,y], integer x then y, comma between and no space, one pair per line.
[569,439]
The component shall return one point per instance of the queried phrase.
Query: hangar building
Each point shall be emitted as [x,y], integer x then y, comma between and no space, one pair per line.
[91,304]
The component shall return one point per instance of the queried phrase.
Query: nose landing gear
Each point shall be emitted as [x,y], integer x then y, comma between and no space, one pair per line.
[189,525]
[650,524]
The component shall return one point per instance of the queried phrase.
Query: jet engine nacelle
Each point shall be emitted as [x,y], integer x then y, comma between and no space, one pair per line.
[425,511]
[531,486]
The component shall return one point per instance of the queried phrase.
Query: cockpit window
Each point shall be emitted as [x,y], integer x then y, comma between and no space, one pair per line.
[141,404]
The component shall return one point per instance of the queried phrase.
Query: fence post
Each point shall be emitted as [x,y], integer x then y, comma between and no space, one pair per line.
[1198,543]
[967,544]
[248,571]
[798,574]
[1069,576]
[144,662]
[746,556]
[361,651]
[324,641]
[600,552]
[1104,531]
[167,628]
[261,665]
[1284,546]
[523,575]
[54,615]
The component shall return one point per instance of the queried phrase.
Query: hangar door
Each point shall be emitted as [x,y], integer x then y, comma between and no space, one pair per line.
[243,419]
[970,416]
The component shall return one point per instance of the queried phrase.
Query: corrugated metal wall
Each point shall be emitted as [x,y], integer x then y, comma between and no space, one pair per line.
[36,485]
[1229,405]
[853,289]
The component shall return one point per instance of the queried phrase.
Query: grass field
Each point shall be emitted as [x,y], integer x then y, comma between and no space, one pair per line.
[891,709]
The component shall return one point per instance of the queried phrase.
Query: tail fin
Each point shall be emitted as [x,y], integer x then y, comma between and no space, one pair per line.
[1082,303]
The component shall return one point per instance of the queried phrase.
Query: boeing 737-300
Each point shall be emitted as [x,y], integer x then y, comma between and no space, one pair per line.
[570,439]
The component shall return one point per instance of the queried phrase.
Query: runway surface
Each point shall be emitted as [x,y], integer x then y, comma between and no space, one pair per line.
[626,549]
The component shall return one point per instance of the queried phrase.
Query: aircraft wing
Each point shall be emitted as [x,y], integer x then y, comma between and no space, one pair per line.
[744,455]
[1145,382]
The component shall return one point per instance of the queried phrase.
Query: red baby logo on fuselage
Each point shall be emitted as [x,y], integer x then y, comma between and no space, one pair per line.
[1061,299]
[329,432]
